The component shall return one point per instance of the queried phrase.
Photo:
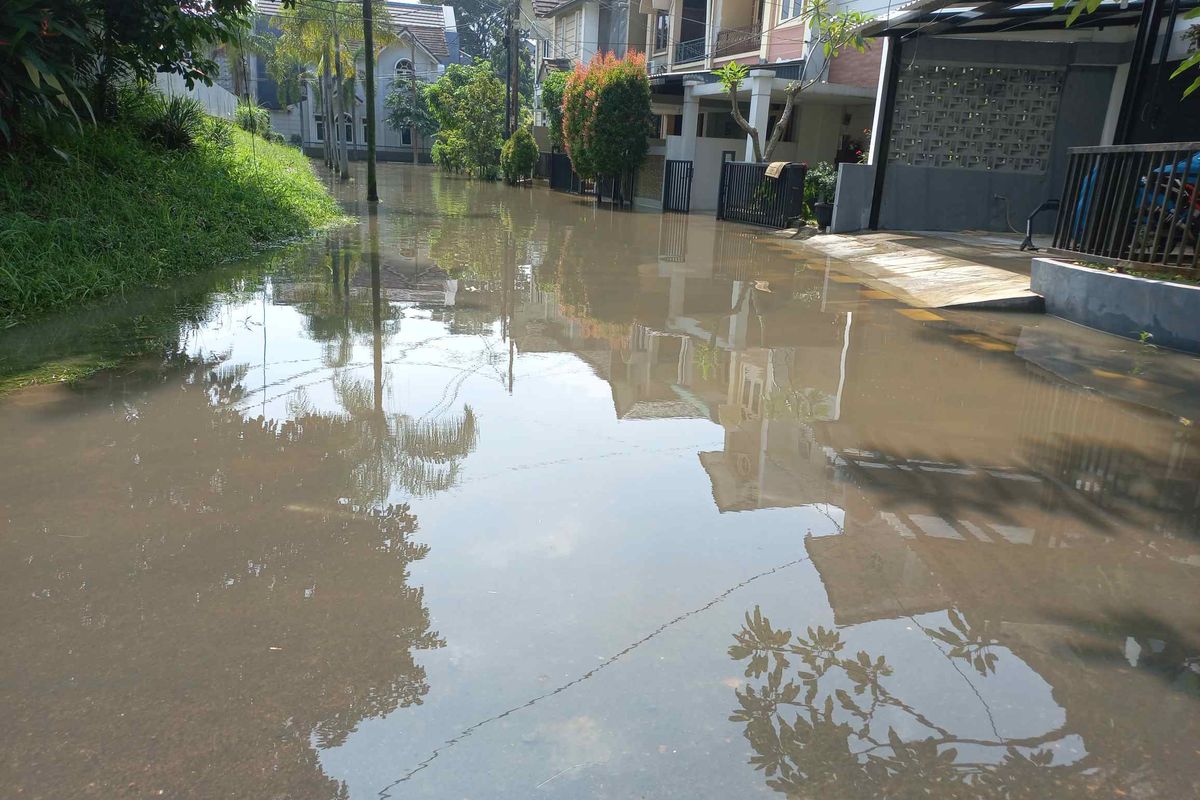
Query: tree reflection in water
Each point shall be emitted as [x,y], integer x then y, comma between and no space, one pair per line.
[828,723]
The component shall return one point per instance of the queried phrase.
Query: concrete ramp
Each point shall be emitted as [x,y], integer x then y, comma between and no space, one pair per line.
[924,271]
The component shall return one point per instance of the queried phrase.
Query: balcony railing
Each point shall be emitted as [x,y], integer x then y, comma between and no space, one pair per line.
[691,50]
[732,41]
[1132,204]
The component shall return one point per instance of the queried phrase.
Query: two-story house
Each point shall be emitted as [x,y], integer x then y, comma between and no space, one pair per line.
[570,32]
[688,39]
[424,43]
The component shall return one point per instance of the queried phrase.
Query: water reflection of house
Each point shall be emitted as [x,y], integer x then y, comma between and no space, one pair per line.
[407,281]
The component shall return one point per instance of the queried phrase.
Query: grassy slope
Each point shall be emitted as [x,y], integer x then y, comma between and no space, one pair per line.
[120,214]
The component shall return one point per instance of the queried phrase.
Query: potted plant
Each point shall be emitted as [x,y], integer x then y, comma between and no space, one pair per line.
[819,186]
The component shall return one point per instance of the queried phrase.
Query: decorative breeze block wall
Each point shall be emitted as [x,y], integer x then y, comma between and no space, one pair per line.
[975,117]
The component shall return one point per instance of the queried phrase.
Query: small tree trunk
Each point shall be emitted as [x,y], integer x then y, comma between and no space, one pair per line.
[343,149]
[327,111]
[750,130]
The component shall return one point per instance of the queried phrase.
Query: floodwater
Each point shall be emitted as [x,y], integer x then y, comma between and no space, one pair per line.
[502,495]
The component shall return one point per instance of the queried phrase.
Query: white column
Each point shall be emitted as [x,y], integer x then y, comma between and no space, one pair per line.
[760,107]
[691,117]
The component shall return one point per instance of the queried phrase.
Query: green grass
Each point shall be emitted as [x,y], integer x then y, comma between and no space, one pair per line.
[112,213]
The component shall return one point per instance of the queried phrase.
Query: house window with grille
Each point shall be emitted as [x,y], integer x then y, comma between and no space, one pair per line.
[319,119]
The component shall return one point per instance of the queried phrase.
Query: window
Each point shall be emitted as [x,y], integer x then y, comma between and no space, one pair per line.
[406,137]
[546,44]
[790,9]
[349,120]
[404,68]
[662,31]
[320,120]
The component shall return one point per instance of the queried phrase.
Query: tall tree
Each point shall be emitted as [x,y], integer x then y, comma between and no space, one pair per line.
[137,38]
[318,37]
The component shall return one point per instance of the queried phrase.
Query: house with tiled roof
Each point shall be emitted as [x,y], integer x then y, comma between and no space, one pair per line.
[425,41]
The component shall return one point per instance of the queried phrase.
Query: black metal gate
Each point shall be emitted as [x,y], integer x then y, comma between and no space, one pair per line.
[562,176]
[677,186]
[748,195]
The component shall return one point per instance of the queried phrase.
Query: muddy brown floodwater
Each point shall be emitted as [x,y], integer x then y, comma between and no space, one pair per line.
[501,495]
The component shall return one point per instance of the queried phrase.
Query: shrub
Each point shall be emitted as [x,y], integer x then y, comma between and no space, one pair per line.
[219,133]
[467,102]
[820,183]
[276,137]
[295,141]
[252,118]
[42,48]
[175,122]
[552,100]
[606,115]
[519,156]
[449,151]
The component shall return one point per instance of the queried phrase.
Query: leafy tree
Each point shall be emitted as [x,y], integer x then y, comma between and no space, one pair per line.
[606,115]
[480,27]
[519,155]
[43,43]
[552,99]
[137,38]
[315,39]
[406,109]
[835,32]
[468,104]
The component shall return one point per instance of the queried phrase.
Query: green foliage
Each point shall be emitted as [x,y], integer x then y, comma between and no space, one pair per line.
[54,53]
[219,133]
[42,46]
[404,108]
[519,156]
[552,100]
[731,75]
[820,183]
[119,214]
[176,122]
[449,151]
[468,104]
[606,115]
[252,118]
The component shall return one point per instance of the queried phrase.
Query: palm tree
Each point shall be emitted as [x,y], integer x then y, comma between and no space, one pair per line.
[319,36]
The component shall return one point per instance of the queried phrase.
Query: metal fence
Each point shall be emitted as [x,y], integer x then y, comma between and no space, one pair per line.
[748,195]
[677,186]
[1132,205]
[561,174]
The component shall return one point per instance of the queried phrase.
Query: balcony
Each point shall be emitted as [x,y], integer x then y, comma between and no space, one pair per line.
[732,41]
[691,50]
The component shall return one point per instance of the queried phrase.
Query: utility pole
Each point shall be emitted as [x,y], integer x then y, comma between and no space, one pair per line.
[369,56]
[513,83]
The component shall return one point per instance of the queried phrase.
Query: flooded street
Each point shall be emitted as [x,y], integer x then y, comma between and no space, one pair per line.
[503,495]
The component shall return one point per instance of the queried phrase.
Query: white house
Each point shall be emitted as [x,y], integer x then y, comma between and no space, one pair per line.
[426,42]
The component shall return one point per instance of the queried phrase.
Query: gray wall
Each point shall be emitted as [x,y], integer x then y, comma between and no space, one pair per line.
[852,205]
[941,198]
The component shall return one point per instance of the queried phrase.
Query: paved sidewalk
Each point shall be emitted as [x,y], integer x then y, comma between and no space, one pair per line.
[930,270]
